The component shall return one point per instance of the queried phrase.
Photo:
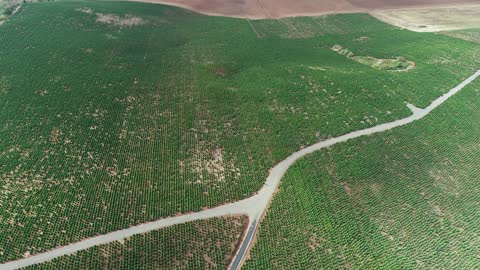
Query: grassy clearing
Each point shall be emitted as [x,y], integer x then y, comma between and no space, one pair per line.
[205,244]
[109,123]
[397,64]
[404,199]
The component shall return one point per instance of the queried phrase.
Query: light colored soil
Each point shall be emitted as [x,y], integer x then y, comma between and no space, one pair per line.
[435,19]
[85,10]
[119,21]
[261,9]
[127,20]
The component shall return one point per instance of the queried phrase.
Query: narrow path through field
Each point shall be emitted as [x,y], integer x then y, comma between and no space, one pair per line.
[254,207]
[253,28]
[16,10]
[13,13]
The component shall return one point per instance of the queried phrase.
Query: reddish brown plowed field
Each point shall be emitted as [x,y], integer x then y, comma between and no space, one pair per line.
[229,8]
[287,8]
[387,4]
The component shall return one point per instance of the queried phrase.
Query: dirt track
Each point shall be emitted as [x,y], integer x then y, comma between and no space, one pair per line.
[261,9]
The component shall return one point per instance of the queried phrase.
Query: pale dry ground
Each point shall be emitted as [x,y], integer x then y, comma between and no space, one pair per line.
[445,18]
[262,9]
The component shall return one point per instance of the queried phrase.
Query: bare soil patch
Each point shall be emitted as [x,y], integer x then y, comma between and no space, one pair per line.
[128,20]
[434,19]
[85,10]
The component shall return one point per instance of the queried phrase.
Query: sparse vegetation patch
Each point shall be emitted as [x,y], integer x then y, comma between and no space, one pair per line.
[396,64]
[107,18]
[468,34]
[128,20]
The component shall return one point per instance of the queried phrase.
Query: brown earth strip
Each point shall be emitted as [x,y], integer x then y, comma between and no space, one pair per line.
[263,9]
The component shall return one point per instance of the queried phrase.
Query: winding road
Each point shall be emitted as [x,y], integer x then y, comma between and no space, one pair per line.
[254,207]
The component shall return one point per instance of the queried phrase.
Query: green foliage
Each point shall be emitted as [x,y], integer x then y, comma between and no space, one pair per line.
[116,113]
[205,244]
[403,199]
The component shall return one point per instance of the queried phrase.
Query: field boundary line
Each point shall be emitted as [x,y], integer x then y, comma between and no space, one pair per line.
[253,28]
[254,207]
[267,13]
